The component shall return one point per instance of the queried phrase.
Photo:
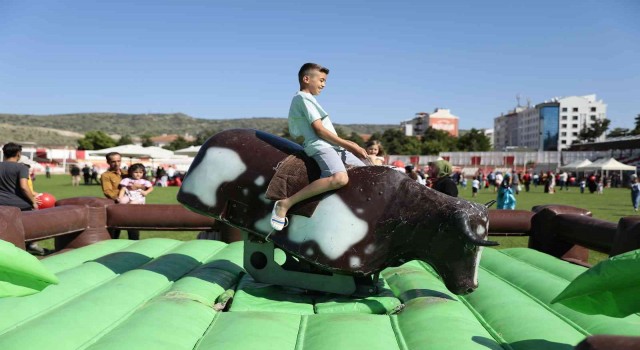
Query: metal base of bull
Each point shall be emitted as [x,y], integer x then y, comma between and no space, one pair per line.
[260,263]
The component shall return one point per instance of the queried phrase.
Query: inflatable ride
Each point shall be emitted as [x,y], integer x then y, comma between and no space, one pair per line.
[411,277]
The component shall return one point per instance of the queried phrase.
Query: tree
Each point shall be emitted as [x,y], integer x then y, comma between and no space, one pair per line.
[590,134]
[355,137]
[178,143]
[618,132]
[395,141]
[125,140]
[203,136]
[636,130]
[287,135]
[436,141]
[474,140]
[95,140]
[146,140]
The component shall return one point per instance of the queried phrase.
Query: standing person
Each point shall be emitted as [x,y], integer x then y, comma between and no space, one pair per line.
[110,181]
[47,171]
[497,181]
[583,184]
[515,182]
[94,175]
[440,172]
[86,173]
[506,199]
[551,178]
[135,195]
[321,142]
[536,180]
[635,191]
[475,186]
[526,179]
[75,175]
[375,152]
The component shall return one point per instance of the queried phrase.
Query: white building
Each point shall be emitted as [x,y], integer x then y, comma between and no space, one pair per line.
[548,126]
[576,113]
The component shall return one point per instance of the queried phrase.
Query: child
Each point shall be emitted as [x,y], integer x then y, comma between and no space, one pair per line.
[321,142]
[129,195]
[375,152]
[475,186]
[583,184]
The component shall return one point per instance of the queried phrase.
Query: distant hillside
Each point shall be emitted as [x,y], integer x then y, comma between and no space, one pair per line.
[53,127]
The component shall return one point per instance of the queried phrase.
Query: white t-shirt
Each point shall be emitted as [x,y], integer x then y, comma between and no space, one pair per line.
[305,110]
[499,179]
[475,183]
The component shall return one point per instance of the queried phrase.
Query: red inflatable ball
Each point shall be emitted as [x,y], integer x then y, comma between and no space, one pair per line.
[47,200]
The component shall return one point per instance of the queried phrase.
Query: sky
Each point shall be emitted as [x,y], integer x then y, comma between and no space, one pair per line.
[388,59]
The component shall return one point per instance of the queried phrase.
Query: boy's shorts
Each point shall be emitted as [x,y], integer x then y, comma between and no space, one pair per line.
[331,161]
[474,190]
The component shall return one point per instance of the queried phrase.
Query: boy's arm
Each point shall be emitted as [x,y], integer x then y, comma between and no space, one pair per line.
[334,139]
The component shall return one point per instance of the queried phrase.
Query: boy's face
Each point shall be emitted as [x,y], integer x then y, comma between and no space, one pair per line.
[314,82]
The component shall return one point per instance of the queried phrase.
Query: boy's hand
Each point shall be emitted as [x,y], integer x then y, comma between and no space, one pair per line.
[357,150]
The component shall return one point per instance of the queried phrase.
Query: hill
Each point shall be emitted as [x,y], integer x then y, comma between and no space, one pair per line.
[51,129]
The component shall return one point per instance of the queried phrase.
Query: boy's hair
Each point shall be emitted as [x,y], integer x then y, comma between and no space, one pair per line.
[111,154]
[135,167]
[376,143]
[307,68]
[11,149]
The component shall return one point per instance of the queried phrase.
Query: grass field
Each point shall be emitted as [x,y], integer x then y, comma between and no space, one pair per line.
[611,206]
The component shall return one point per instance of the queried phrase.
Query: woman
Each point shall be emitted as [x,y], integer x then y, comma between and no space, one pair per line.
[439,172]
[506,199]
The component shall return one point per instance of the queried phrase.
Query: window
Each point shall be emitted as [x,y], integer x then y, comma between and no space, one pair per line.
[564,142]
[575,126]
[593,109]
[564,109]
[563,134]
[593,117]
[575,109]
[564,117]
[575,134]
[564,126]
[575,117]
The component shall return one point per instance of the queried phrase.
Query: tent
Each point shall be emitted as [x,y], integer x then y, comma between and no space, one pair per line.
[130,151]
[607,165]
[190,151]
[576,165]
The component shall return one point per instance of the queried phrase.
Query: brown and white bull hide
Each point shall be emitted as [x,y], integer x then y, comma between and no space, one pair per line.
[382,218]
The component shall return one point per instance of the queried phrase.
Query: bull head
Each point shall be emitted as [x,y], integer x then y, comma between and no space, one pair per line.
[455,250]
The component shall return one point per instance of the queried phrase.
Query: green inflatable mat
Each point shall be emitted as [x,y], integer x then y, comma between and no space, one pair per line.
[168,294]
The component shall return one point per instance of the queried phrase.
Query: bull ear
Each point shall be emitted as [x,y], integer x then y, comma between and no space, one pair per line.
[490,203]
[463,221]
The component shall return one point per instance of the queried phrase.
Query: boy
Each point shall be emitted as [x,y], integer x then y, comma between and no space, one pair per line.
[475,185]
[321,142]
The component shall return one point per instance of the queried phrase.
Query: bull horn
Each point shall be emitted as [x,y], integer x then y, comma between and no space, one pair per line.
[490,203]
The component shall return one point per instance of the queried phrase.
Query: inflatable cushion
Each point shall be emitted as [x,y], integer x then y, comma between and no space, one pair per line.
[21,273]
[610,288]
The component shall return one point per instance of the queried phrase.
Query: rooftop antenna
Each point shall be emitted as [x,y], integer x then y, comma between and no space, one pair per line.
[518,99]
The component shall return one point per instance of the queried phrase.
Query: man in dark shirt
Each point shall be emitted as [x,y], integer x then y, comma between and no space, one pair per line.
[439,173]
[14,188]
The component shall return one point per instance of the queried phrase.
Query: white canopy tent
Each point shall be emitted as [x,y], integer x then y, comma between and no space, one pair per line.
[190,151]
[607,165]
[131,151]
[576,165]
[603,166]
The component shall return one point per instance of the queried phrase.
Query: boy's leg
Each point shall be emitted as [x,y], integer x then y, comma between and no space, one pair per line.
[333,176]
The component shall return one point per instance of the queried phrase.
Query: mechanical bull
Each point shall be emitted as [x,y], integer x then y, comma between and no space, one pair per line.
[382,218]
